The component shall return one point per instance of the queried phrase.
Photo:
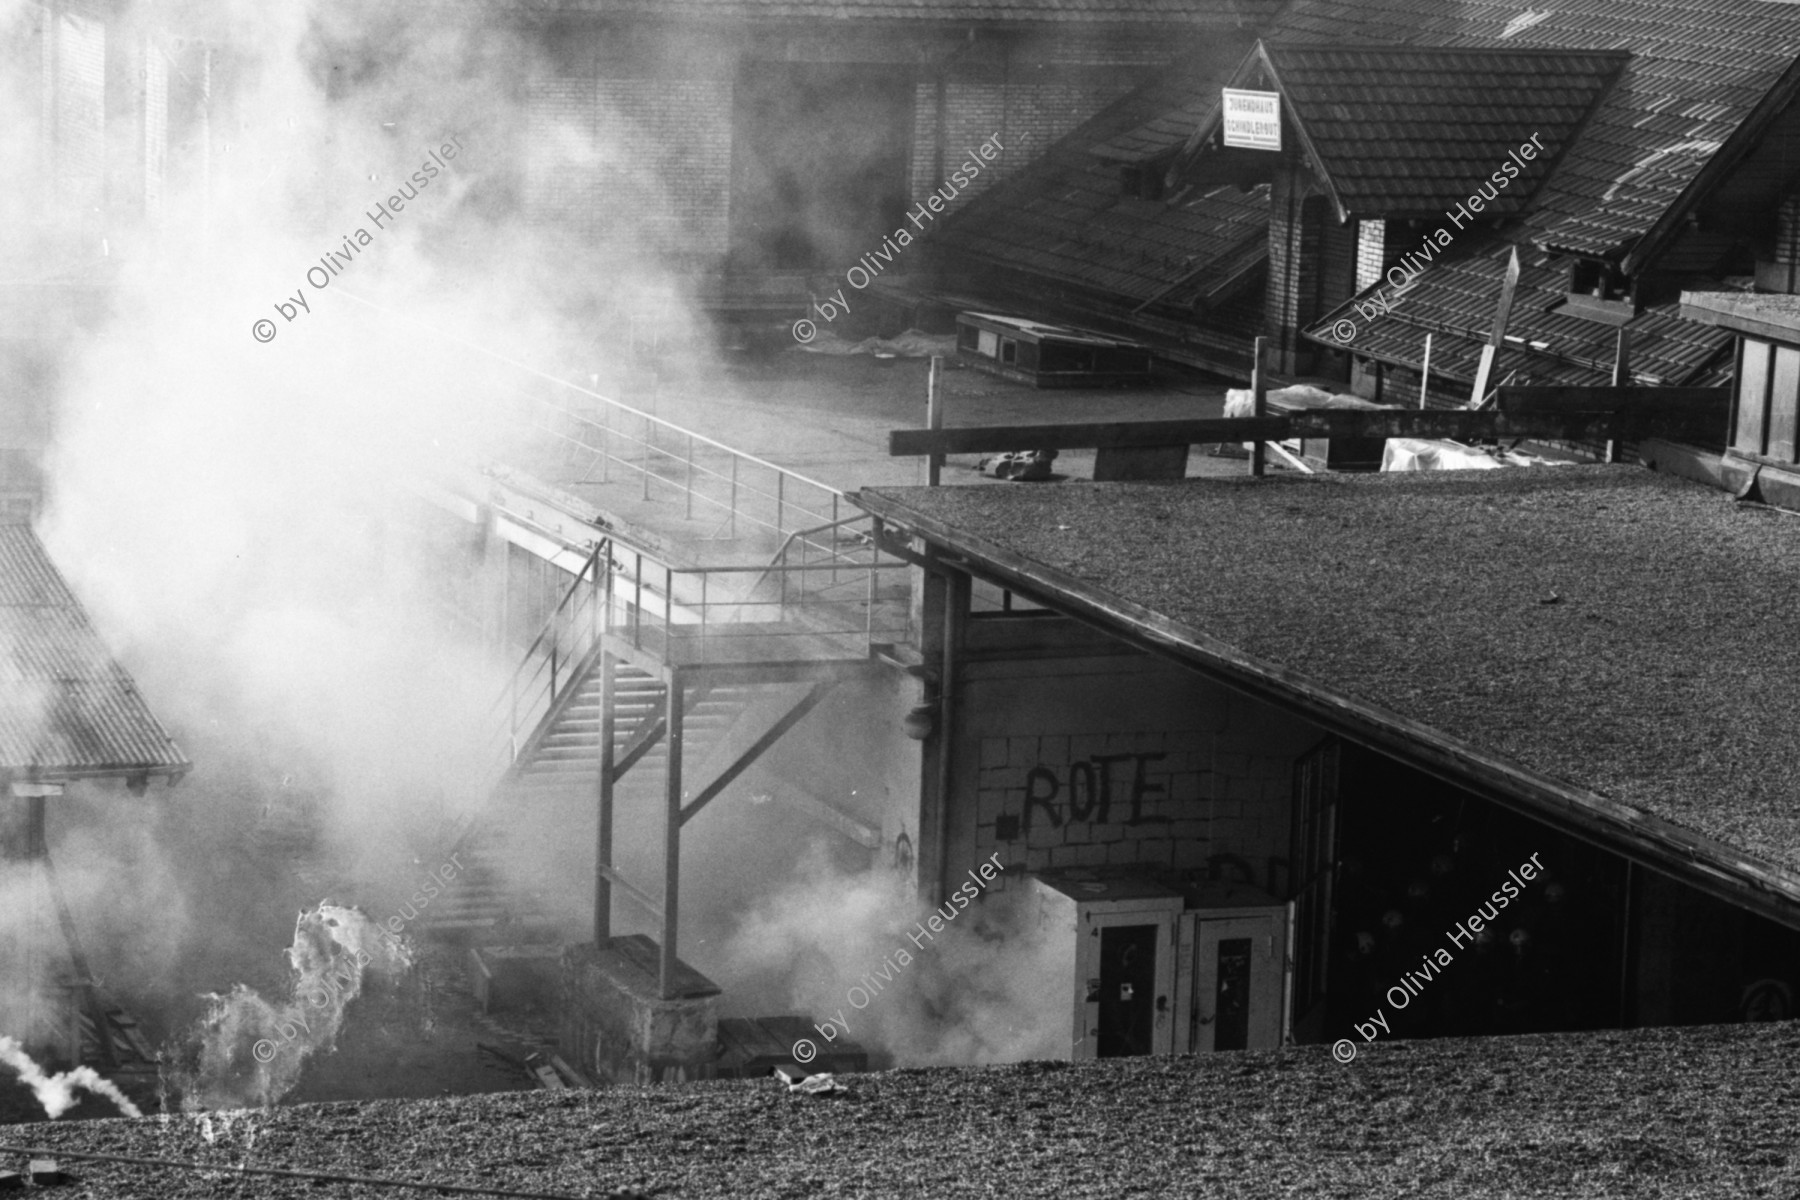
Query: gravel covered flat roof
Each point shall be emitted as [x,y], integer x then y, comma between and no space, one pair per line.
[1664,1113]
[1628,635]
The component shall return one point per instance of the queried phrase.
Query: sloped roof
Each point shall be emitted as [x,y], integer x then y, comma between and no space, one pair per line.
[1457,296]
[67,709]
[1063,217]
[1410,130]
[1698,69]
[1606,646]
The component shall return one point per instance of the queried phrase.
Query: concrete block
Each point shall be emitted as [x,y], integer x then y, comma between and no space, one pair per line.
[993,752]
[1063,856]
[1022,752]
[1054,752]
[617,1024]
[1187,830]
[1090,856]
[1077,833]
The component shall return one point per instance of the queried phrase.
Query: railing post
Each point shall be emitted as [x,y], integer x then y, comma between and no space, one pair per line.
[869,620]
[649,445]
[605,442]
[835,534]
[637,607]
[690,477]
[780,496]
[669,612]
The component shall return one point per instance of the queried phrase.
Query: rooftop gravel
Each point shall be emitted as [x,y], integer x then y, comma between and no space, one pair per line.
[1614,629]
[1698,1112]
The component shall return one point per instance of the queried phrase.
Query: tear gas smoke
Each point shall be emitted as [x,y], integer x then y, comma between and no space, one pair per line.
[982,991]
[248,1050]
[57,1092]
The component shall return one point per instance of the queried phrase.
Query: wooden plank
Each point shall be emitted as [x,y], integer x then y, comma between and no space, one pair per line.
[1515,399]
[1454,424]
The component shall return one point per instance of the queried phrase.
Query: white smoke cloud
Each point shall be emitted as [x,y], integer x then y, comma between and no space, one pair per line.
[57,1092]
[831,944]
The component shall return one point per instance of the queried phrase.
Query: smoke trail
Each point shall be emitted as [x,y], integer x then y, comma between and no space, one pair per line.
[248,1051]
[57,1092]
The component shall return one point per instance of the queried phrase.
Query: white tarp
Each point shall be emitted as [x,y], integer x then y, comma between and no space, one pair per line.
[1419,454]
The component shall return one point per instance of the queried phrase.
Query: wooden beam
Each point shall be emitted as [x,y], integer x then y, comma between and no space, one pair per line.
[1259,407]
[1630,399]
[1454,424]
[756,749]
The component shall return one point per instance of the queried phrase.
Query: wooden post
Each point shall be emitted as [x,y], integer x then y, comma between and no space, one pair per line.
[1621,377]
[1509,286]
[934,416]
[1259,407]
[1425,373]
[671,831]
[603,838]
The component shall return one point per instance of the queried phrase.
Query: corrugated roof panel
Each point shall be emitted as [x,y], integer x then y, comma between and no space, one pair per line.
[67,709]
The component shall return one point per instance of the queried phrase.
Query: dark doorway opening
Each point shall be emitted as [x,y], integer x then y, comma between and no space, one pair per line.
[1127,990]
[820,155]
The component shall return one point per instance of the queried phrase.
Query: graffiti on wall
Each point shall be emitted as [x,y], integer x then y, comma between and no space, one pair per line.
[1087,792]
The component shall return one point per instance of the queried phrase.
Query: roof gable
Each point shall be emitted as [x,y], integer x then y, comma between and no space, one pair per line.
[1395,131]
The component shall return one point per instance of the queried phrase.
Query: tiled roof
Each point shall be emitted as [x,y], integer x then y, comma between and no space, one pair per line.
[1064,217]
[1459,296]
[67,709]
[1698,68]
[1409,130]
[1136,12]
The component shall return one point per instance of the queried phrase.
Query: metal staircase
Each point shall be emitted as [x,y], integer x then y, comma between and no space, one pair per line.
[747,650]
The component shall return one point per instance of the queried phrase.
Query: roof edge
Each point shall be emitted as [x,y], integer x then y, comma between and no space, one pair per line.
[1657,843]
[1727,158]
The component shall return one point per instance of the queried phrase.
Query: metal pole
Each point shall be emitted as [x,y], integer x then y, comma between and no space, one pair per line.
[934,417]
[671,832]
[690,477]
[780,495]
[649,444]
[637,607]
[1259,409]
[603,837]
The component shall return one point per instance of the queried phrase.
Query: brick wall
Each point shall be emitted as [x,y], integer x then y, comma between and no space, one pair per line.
[1166,797]
[1118,761]
[646,159]
[1028,116]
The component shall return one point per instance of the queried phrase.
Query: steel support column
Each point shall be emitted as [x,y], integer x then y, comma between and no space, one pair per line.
[671,831]
[603,836]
